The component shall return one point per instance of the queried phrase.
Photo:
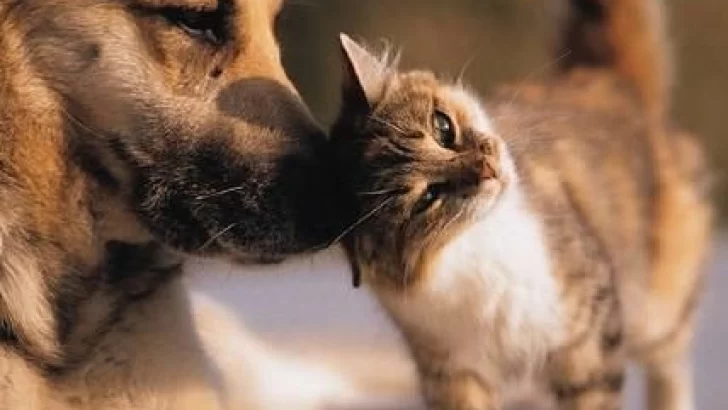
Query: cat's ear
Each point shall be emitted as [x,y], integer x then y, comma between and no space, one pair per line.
[364,74]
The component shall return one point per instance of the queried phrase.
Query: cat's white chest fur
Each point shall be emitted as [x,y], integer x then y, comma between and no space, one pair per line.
[490,300]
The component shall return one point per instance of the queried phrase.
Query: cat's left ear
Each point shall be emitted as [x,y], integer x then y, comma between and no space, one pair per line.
[364,74]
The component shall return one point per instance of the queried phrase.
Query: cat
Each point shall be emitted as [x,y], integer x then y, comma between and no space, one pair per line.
[550,233]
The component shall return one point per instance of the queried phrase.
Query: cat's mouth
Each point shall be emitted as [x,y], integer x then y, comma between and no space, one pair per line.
[492,190]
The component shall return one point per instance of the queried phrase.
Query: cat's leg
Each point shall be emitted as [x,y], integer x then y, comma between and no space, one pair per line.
[669,384]
[445,386]
[589,372]
[585,381]
[463,390]
[668,369]
[661,338]
[445,382]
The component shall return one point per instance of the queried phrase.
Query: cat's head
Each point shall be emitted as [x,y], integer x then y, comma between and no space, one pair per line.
[418,159]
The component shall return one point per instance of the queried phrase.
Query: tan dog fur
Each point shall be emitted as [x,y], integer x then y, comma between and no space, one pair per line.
[134,132]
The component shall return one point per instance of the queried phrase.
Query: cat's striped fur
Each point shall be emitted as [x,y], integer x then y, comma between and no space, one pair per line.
[584,247]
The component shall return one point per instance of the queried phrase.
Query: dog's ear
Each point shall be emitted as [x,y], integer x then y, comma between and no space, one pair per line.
[364,74]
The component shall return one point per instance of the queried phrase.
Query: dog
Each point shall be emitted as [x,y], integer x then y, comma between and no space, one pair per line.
[135,133]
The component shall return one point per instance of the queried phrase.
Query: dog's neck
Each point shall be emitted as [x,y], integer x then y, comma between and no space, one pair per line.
[71,258]
[30,164]
[129,274]
[57,327]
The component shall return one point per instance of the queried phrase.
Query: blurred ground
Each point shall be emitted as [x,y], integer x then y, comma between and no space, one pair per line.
[308,307]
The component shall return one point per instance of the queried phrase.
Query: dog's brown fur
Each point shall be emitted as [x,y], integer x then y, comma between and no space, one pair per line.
[131,130]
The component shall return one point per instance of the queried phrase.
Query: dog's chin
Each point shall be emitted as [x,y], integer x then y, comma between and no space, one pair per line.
[228,251]
[272,257]
[257,259]
[217,252]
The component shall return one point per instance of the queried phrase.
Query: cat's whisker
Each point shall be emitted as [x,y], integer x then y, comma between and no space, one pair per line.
[540,70]
[387,124]
[377,193]
[361,220]
[445,227]
[464,69]
[452,220]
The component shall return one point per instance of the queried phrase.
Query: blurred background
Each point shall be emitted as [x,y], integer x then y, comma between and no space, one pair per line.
[501,41]
[307,310]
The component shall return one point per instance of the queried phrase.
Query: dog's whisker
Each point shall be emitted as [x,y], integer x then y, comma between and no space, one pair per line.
[219,193]
[217,236]
[81,123]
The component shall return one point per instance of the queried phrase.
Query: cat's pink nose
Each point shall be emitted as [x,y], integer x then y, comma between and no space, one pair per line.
[487,172]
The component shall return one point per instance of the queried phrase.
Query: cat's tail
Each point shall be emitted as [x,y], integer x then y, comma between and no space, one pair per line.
[626,36]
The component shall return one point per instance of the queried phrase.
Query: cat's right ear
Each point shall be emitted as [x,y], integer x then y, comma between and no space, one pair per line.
[364,74]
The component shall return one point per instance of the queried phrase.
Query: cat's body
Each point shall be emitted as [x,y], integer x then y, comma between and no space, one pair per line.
[479,278]
[577,245]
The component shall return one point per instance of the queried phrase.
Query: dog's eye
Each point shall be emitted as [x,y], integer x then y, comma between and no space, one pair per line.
[444,129]
[207,25]
[429,198]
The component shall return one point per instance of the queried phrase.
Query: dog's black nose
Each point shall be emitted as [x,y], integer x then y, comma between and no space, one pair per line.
[299,159]
[265,103]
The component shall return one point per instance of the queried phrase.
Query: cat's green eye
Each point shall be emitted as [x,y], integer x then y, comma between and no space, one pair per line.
[428,198]
[444,129]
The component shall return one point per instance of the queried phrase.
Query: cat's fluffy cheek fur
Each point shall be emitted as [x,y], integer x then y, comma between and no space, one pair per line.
[477,117]
[490,300]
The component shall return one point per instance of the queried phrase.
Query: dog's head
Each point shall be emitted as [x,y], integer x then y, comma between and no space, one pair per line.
[183,109]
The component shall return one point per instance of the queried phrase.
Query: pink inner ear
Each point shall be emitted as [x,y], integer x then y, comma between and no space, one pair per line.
[364,74]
